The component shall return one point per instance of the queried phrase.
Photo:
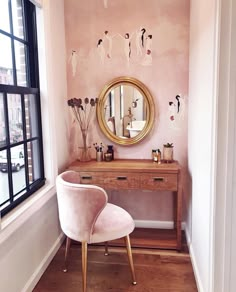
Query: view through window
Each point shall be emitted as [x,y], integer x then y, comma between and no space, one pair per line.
[21,153]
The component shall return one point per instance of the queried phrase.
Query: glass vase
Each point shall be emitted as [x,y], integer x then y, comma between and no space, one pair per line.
[85,149]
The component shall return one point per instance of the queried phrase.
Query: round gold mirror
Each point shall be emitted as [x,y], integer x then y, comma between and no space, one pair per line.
[125,111]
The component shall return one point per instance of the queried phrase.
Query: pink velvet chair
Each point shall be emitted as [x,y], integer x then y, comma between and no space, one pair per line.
[87,217]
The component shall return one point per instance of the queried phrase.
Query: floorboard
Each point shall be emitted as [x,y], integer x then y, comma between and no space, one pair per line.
[157,270]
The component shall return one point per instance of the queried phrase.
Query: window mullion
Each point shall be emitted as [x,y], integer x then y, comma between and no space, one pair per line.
[23,117]
[25,42]
[10,181]
[5,106]
[25,139]
[13,61]
[28,45]
[10,16]
[31,53]
[12,44]
[40,134]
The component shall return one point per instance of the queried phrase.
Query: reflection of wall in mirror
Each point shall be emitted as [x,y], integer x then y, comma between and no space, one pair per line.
[138,111]
[112,125]
[112,111]
[109,107]
[118,106]
[128,98]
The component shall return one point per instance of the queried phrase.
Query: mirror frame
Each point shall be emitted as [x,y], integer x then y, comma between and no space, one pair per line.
[150,110]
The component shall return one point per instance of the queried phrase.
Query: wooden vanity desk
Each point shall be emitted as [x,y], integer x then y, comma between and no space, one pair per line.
[131,174]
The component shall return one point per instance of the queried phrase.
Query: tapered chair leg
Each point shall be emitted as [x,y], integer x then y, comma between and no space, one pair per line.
[84,264]
[130,257]
[68,243]
[106,248]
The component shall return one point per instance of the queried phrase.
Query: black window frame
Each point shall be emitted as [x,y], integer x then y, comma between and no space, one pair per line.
[32,88]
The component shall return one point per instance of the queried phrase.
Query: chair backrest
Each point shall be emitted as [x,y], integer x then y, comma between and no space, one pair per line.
[79,205]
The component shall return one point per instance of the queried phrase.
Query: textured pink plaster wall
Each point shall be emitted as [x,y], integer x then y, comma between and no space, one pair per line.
[168,23]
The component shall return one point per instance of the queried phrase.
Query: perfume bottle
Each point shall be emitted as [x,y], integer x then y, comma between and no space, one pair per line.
[110,150]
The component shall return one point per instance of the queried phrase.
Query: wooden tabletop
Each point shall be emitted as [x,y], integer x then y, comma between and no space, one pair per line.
[135,165]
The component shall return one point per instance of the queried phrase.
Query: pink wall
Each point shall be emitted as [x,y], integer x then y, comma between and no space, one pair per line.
[168,23]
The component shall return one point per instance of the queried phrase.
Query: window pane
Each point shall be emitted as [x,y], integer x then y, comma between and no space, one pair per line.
[20,54]
[33,161]
[6,72]
[31,115]
[4,187]
[17,17]
[21,171]
[18,168]
[2,123]
[4,16]
[15,117]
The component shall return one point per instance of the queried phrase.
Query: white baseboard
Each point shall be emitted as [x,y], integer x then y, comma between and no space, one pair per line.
[188,237]
[193,261]
[33,280]
[156,224]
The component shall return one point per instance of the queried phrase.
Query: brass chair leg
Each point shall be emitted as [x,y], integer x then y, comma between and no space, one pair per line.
[106,248]
[68,243]
[129,252]
[84,264]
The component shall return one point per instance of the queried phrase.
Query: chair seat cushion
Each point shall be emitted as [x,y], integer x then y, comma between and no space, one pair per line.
[112,223]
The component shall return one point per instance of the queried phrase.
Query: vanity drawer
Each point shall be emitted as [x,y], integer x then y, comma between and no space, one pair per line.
[91,178]
[160,181]
[111,180]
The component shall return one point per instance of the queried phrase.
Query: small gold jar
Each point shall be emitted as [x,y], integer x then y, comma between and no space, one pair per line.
[107,157]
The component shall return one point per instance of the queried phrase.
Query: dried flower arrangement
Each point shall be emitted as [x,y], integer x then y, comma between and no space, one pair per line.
[83,110]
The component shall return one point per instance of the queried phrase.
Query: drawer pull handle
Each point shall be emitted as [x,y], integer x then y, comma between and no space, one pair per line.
[158,178]
[87,177]
[121,178]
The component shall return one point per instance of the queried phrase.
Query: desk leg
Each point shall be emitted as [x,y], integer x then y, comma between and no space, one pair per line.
[179,213]
[179,237]
[175,209]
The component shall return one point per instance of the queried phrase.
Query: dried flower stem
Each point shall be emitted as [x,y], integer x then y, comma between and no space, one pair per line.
[81,112]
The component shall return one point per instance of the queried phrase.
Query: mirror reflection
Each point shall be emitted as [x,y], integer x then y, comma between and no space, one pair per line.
[125,111]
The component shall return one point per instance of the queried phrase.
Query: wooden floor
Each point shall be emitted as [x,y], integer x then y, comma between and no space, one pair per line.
[156,270]
[153,238]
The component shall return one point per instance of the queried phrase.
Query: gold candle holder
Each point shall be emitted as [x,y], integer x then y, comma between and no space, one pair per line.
[108,157]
